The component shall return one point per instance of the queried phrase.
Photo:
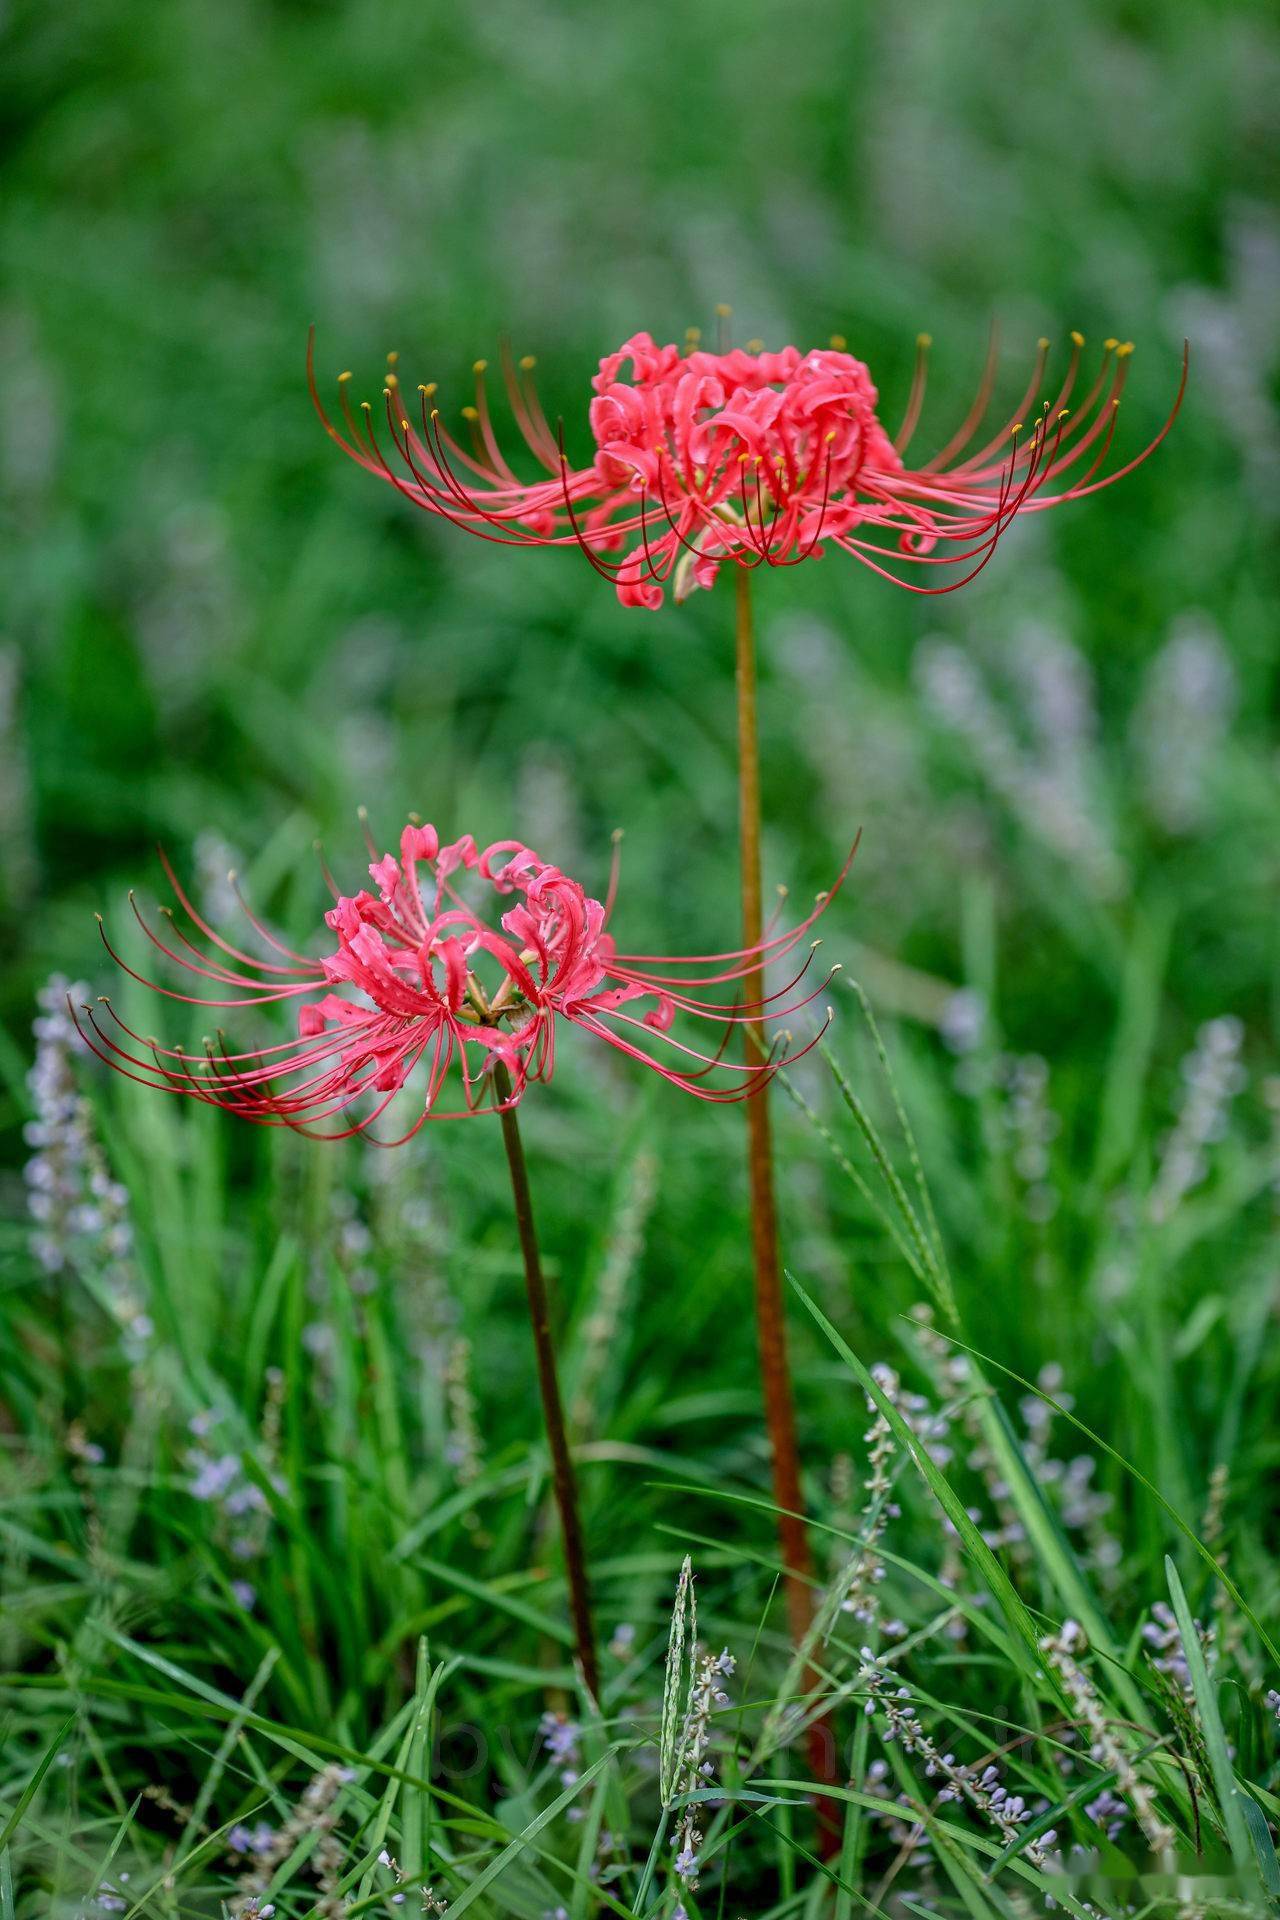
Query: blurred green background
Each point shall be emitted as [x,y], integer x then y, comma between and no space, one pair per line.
[213,624]
[220,634]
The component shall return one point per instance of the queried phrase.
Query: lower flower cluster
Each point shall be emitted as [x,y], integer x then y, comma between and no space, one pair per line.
[421,984]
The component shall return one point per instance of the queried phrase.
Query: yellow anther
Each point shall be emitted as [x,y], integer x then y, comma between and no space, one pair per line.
[829,437]
[528,362]
[1063,412]
[1123,351]
[435,413]
[839,342]
[428,390]
[392,358]
[346,375]
[1077,339]
[755,346]
[469,413]
[365,407]
[1111,344]
[479,366]
[693,333]
[723,312]
[404,426]
[392,381]
[1017,427]
[924,339]
[1043,344]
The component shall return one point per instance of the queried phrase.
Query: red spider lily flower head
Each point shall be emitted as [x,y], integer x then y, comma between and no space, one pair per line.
[751,457]
[420,982]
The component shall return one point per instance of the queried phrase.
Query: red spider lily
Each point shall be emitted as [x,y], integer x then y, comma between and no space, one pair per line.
[430,984]
[751,457]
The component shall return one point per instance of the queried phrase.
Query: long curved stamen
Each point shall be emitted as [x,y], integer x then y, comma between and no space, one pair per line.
[1083,415]
[678,994]
[768,949]
[709,519]
[533,404]
[200,961]
[268,997]
[1078,493]
[399,1000]
[1020,412]
[468,508]
[209,933]
[809,445]
[1007,508]
[485,424]
[529,419]
[977,411]
[915,399]
[606,570]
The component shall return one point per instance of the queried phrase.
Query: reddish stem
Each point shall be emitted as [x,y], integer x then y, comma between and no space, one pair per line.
[775,1374]
[562,1475]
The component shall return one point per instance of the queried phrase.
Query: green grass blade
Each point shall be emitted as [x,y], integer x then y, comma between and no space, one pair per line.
[909,1141]
[485,1879]
[1053,1550]
[1263,1845]
[32,1787]
[1215,1739]
[853,1837]
[1120,1107]
[1025,1630]
[415,1821]
[1183,1526]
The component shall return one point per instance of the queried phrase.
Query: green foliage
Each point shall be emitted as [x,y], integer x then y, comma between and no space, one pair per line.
[219,635]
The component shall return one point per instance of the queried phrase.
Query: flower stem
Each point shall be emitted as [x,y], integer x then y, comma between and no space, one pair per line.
[562,1475]
[775,1374]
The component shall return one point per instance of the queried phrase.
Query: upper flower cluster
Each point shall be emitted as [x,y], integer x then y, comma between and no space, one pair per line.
[420,978]
[751,457]
[776,441]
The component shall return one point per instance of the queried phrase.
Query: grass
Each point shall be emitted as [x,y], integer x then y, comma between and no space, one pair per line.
[407,1597]
[308,1371]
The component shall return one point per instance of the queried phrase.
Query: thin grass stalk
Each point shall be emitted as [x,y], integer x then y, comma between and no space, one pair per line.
[771,1328]
[562,1475]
